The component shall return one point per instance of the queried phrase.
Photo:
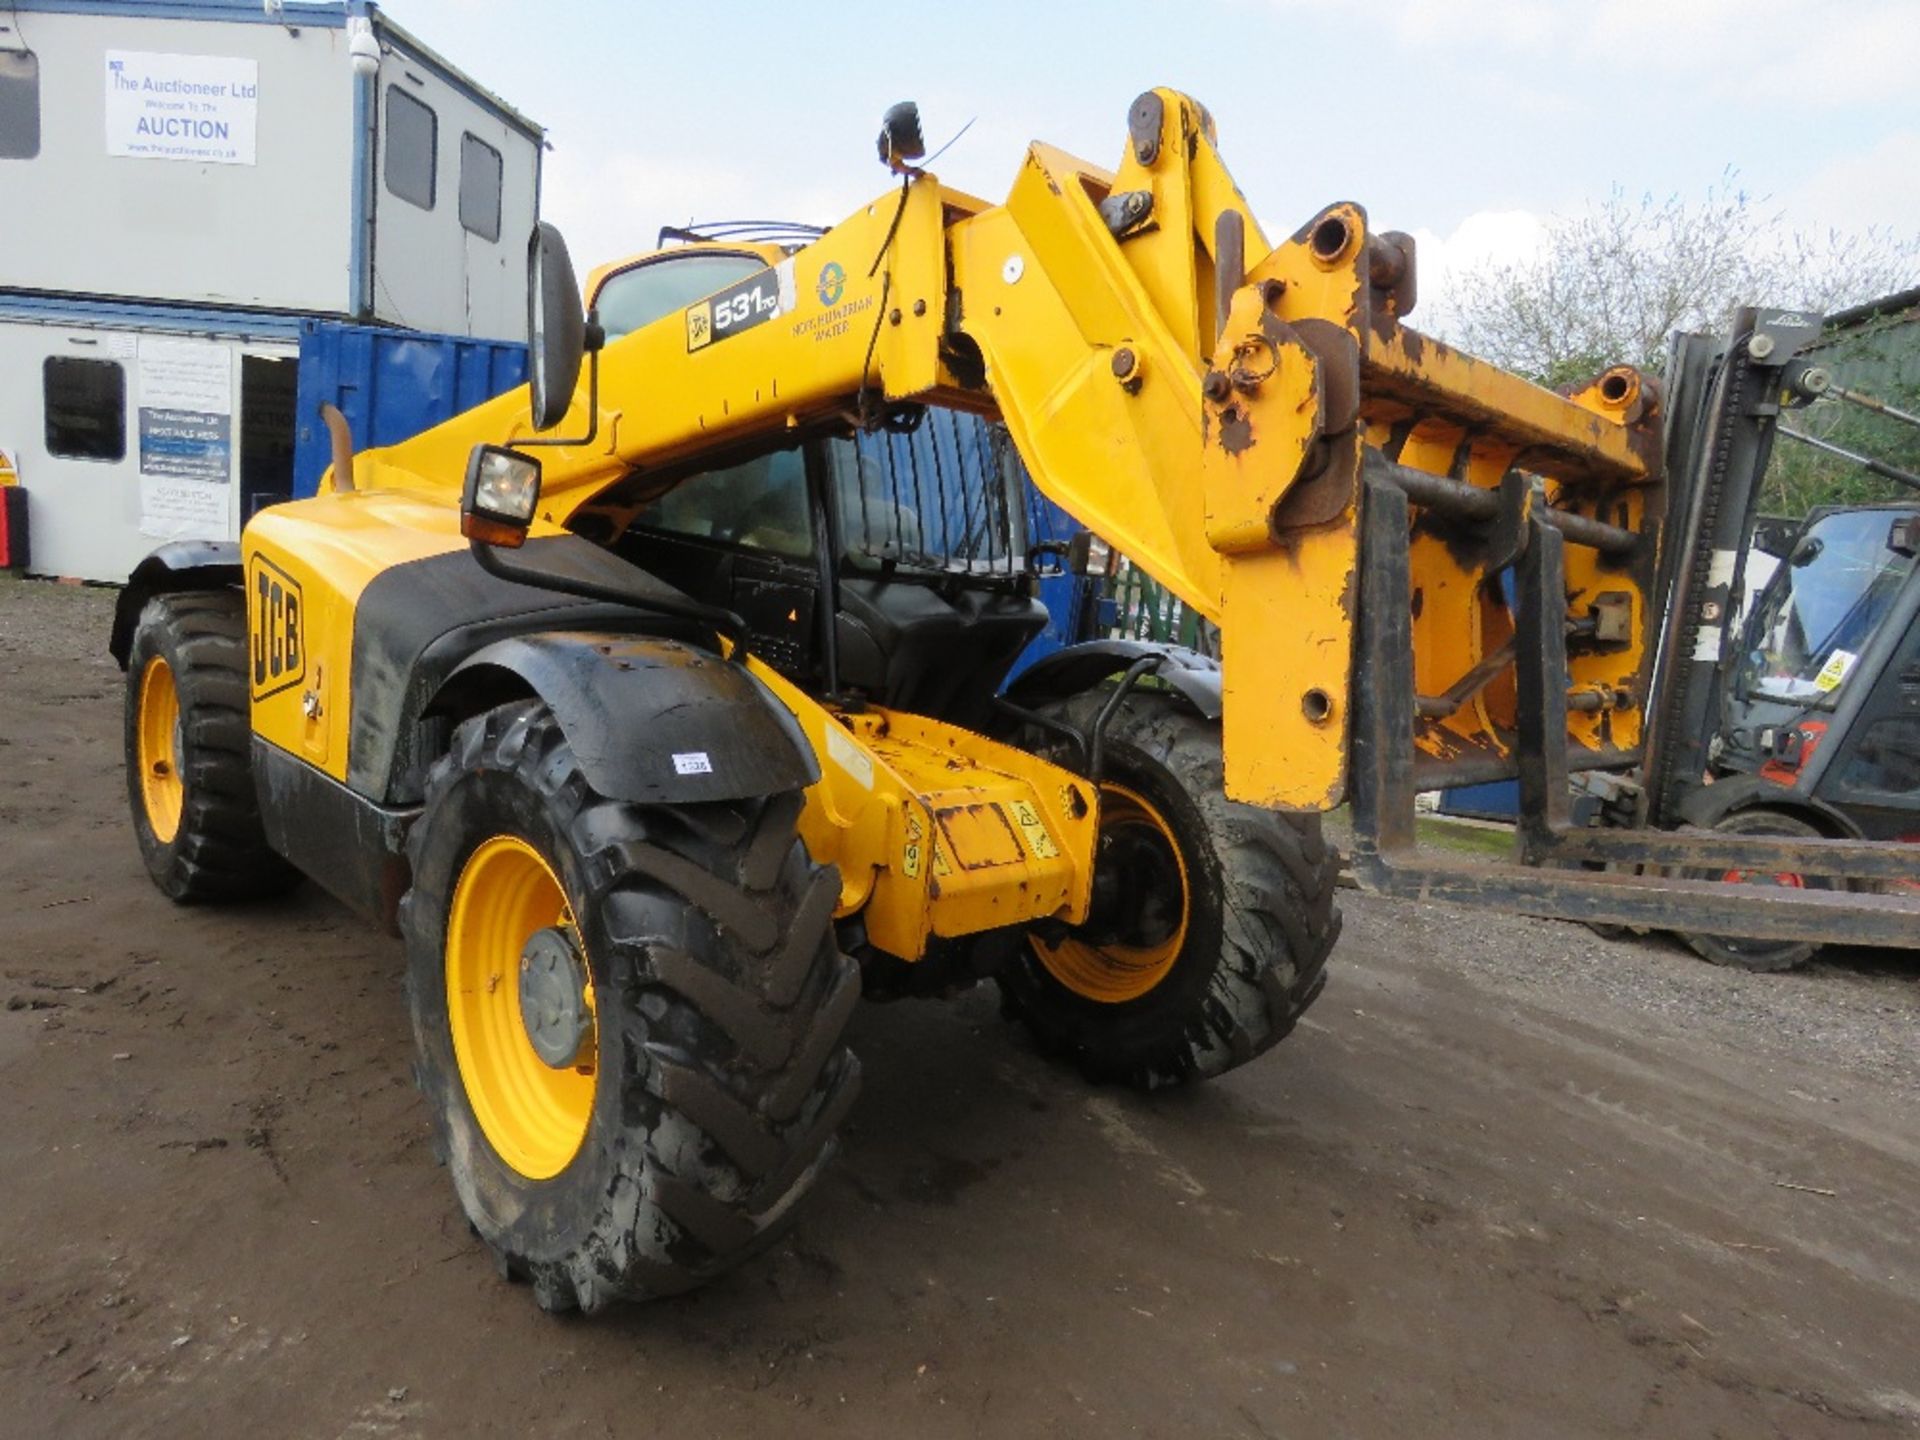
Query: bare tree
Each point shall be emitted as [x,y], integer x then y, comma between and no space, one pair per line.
[1611,283]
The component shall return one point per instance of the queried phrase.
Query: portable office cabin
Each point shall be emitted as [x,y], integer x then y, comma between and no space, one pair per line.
[130,425]
[226,153]
[183,184]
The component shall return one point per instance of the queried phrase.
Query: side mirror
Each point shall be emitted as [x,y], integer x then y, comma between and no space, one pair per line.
[1904,536]
[556,327]
[500,496]
[1774,535]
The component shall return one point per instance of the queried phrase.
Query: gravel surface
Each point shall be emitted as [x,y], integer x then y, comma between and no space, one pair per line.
[1854,1010]
[1506,1179]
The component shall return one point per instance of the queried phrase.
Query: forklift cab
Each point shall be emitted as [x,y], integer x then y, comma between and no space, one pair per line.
[1824,702]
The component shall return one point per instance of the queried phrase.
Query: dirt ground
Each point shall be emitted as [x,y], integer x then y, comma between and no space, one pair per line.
[1507,1180]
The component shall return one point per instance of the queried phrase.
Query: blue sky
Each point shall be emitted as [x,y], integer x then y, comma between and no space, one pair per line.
[1461,120]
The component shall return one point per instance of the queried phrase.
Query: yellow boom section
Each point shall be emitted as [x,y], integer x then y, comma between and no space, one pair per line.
[1200,396]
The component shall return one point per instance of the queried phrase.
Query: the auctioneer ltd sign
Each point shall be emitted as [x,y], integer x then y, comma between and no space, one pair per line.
[182,107]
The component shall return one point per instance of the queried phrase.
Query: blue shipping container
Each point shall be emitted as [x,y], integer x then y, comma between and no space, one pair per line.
[390,384]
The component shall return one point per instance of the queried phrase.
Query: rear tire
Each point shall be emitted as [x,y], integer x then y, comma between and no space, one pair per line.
[718,1002]
[1259,921]
[188,738]
[1766,957]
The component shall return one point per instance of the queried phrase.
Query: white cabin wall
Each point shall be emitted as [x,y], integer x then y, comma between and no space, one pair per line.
[275,234]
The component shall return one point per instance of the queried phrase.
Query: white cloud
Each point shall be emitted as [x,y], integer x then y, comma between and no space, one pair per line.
[1490,237]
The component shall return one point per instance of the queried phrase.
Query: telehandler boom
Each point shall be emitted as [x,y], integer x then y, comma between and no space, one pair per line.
[682,726]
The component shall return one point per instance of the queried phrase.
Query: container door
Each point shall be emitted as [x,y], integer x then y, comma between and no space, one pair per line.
[267,388]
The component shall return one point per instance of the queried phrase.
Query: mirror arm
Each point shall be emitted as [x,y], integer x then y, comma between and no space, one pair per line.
[596,340]
[726,622]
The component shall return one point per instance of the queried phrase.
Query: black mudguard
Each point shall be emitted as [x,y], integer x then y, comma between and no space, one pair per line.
[651,720]
[1708,805]
[182,565]
[1191,675]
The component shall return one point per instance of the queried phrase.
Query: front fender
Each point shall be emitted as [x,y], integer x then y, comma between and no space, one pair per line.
[1708,805]
[1191,675]
[652,721]
[182,565]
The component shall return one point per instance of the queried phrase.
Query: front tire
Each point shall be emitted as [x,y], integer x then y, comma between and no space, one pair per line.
[1764,957]
[1211,927]
[188,737]
[704,1098]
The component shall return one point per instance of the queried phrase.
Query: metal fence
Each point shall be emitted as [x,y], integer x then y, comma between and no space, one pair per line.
[953,494]
[943,496]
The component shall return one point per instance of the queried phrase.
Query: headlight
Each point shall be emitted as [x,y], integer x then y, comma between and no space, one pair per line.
[502,491]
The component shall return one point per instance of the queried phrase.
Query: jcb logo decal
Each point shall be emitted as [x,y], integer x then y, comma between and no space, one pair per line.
[278,625]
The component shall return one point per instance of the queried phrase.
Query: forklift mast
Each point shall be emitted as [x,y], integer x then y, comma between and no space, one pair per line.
[1724,396]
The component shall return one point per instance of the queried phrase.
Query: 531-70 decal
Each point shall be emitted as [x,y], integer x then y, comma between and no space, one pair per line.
[741,306]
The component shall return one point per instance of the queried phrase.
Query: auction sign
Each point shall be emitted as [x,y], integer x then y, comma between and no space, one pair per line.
[182,107]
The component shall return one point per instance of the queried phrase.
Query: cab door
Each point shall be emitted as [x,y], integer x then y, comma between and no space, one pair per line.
[1874,775]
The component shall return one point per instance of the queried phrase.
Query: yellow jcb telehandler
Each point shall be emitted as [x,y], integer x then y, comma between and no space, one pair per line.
[661,712]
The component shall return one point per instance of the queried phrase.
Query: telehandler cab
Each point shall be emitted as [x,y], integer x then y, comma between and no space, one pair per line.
[683,721]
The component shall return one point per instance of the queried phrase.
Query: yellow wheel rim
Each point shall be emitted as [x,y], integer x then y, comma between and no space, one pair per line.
[1115,970]
[534,1115]
[158,745]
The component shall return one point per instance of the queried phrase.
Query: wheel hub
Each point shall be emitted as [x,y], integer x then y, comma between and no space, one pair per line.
[1136,926]
[1137,890]
[553,997]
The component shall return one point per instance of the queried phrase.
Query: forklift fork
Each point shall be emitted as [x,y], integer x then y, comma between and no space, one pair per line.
[1386,856]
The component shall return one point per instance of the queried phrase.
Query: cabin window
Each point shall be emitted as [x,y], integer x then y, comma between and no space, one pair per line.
[479,187]
[19,105]
[413,137]
[86,404]
[641,294]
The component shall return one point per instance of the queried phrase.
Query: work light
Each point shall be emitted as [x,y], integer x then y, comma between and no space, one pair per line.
[502,489]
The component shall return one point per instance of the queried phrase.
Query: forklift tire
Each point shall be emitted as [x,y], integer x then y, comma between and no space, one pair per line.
[1211,928]
[1761,956]
[683,1077]
[188,739]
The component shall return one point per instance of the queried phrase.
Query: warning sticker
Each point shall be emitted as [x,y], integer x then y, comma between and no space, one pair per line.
[1031,826]
[916,845]
[848,756]
[1834,671]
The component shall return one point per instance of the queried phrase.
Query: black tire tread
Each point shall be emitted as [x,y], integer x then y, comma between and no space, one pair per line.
[733,997]
[1278,921]
[1763,957]
[220,852]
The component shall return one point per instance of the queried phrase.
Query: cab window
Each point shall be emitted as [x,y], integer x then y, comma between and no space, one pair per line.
[641,294]
[761,505]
